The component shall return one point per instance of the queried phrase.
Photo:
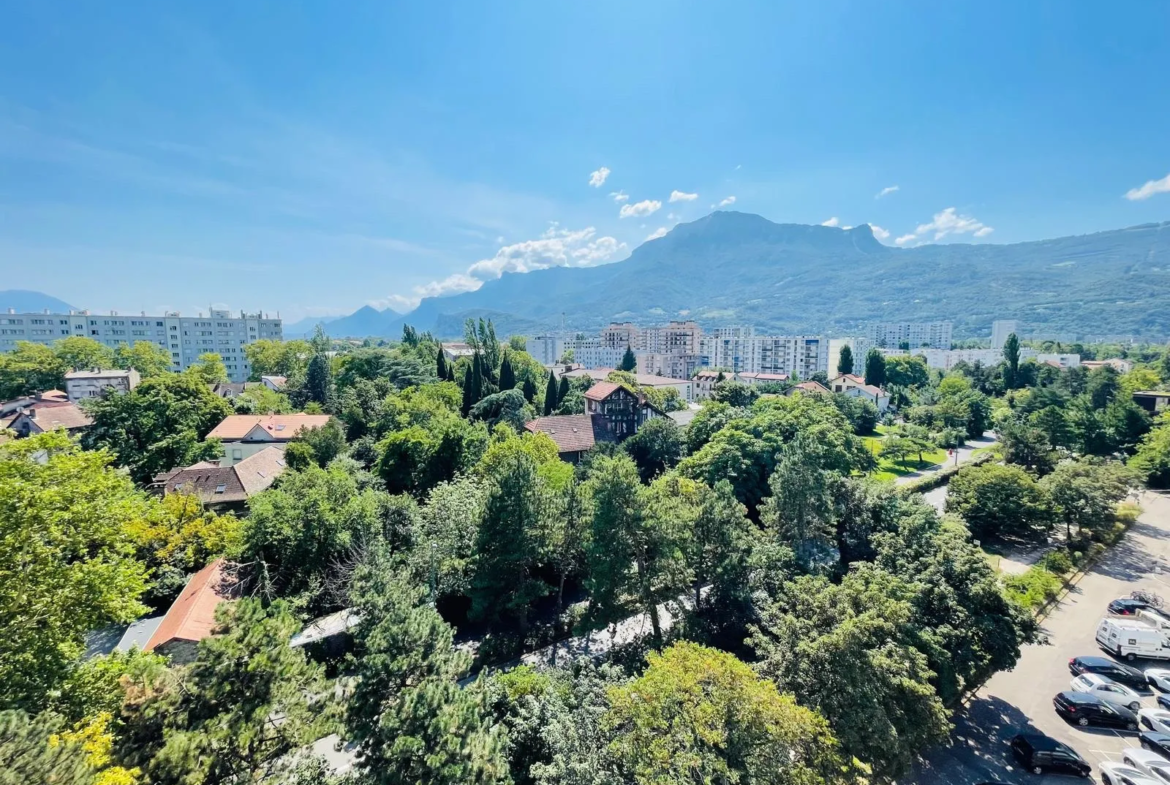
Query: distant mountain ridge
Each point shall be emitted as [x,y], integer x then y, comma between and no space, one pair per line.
[26,301]
[738,268]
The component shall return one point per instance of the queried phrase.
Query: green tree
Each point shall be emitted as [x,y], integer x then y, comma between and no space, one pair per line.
[507,375]
[656,447]
[30,753]
[1152,459]
[1102,386]
[417,458]
[507,406]
[411,721]
[845,360]
[82,353]
[441,363]
[563,390]
[875,368]
[1011,356]
[209,369]
[844,651]
[617,517]
[1086,493]
[800,508]
[629,363]
[707,422]
[1025,444]
[303,531]
[318,386]
[67,561]
[213,722]
[698,715]
[30,368]
[277,358]
[736,394]
[550,395]
[719,548]
[897,448]
[146,357]
[325,442]
[905,371]
[158,425]
[1000,501]
[507,546]
[261,400]
[528,387]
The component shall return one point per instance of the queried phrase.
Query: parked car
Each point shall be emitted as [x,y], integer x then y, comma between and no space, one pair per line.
[1120,774]
[1127,606]
[1103,666]
[1107,690]
[1147,762]
[1157,742]
[1038,753]
[1085,709]
[1155,720]
[1159,678]
[1164,701]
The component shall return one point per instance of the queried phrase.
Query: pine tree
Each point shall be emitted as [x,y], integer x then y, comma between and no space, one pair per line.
[507,375]
[319,381]
[409,717]
[629,362]
[529,389]
[845,362]
[550,395]
[563,391]
[451,372]
[476,378]
[441,364]
[468,399]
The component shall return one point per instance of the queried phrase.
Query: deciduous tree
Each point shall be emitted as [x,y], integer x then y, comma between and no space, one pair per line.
[845,360]
[146,357]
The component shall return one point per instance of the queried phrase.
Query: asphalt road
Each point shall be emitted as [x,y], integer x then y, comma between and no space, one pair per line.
[1021,699]
[966,453]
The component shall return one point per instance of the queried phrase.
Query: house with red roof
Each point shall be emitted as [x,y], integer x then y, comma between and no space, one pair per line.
[247,434]
[191,617]
[855,387]
[612,414]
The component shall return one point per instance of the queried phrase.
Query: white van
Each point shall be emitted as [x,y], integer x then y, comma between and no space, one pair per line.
[1155,620]
[1132,639]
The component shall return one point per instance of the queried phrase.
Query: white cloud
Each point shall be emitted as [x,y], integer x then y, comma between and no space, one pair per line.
[396,302]
[879,232]
[831,222]
[727,201]
[659,232]
[619,196]
[1149,189]
[889,189]
[946,223]
[738,167]
[557,247]
[597,179]
[640,209]
[679,196]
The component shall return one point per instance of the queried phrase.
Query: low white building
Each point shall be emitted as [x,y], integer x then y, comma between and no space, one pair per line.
[1062,361]
[854,386]
[83,385]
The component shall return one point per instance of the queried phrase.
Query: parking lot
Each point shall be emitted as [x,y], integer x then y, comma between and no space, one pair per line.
[1021,699]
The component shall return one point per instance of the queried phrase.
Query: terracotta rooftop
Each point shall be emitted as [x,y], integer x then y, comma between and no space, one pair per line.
[52,414]
[214,484]
[602,390]
[850,376]
[812,387]
[572,432]
[192,616]
[281,427]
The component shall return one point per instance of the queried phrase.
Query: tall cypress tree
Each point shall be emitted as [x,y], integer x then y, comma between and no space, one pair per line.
[468,401]
[1011,355]
[550,395]
[507,375]
[845,361]
[875,368]
[451,372]
[529,389]
[563,392]
[629,362]
[476,378]
[441,364]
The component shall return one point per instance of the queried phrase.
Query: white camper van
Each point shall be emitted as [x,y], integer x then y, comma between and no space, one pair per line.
[1155,620]
[1132,639]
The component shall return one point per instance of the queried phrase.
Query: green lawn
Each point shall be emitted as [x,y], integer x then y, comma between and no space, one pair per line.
[888,469]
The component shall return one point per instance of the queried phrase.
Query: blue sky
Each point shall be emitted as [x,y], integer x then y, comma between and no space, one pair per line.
[312,157]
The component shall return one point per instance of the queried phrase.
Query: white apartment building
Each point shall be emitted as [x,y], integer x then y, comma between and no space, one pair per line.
[799,355]
[1000,330]
[892,335]
[620,335]
[733,348]
[859,346]
[184,337]
[81,385]
[672,366]
[591,353]
[672,338]
[547,349]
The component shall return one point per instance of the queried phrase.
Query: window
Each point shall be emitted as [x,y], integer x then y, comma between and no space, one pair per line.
[221,488]
[237,454]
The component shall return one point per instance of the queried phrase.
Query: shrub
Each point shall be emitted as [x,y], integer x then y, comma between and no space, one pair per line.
[1033,588]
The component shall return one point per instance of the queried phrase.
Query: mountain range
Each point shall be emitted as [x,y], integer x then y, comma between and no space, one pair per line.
[25,301]
[737,268]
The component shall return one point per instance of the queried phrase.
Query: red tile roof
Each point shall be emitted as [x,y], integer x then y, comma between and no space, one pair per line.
[281,427]
[240,481]
[602,390]
[572,432]
[192,616]
[812,387]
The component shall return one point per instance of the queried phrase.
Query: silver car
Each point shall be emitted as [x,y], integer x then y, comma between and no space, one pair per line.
[1107,690]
